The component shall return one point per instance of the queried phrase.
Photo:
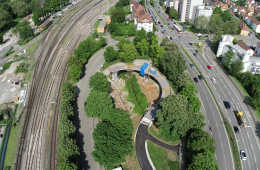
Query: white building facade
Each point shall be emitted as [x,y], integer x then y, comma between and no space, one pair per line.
[201,10]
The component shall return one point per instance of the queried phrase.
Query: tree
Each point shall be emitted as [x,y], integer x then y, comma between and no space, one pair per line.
[182,80]
[172,64]
[195,103]
[66,165]
[124,2]
[99,82]
[174,13]
[226,15]
[228,58]
[119,4]
[143,47]
[98,104]
[188,21]
[75,72]
[19,8]
[113,139]
[255,101]
[68,92]
[156,51]
[131,30]
[142,2]
[121,43]
[118,15]
[215,22]
[66,128]
[164,41]
[217,10]
[202,22]
[217,37]
[236,67]
[110,54]
[36,18]
[24,29]
[74,60]
[112,27]
[152,3]
[66,108]
[3,18]
[170,46]
[203,161]
[231,26]
[188,90]
[128,53]
[102,42]
[140,35]
[1,38]
[67,149]
[150,37]
[173,117]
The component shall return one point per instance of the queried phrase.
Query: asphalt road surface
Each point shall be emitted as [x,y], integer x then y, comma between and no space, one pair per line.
[224,90]
[213,119]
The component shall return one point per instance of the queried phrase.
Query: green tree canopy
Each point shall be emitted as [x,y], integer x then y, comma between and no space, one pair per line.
[128,53]
[118,15]
[140,35]
[236,67]
[216,22]
[68,92]
[203,161]
[19,8]
[75,72]
[98,103]
[217,10]
[156,51]
[170,46]
[173,13]
[24,29]
[66,165]
[226,15]
[182,80]
[110,54]
[143,47]
[99,82]
[202,22]
[228,58]
[121,43]
[164,41]
[172,64]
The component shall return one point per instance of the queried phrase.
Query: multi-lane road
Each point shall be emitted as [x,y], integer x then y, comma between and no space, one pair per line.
[224,90]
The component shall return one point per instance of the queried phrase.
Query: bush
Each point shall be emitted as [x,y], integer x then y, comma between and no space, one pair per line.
[136,95]
[6,66]
[21,68]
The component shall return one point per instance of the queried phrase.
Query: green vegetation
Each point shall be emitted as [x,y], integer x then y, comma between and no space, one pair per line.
[6,66]
[162,159]
[229,129]
[96,24]
[67,147]
[136,96]
[199,47]
[21,68]
[17,20]
[99,82]
[11,51]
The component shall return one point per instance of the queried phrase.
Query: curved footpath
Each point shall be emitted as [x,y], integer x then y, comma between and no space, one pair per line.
[142,134]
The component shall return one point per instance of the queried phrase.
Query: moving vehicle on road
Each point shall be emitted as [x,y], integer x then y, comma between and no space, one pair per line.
[177,29]
[200,77]
[236,129]
[209,67]
[213,80]
[196,80]
[170,38]
[243,155]
[197,51]
[190,43]
[195,55]
[240,118]
[227,104]
[192,66]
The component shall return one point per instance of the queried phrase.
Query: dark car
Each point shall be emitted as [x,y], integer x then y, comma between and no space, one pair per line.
[205,36]
[236,129]
[190,43]
[196,80]
[159,22]
[195,54]
[85,104]
[200,77]
[172,28]
[227,104]
[192,66]
[170,38]
[174,22]
[168,23]
[197,51]
[162,26]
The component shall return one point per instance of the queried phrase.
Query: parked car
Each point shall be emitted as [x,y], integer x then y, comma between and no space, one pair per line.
[192,66]
[205,36]
[198,35]
[213,80]
[209,67]
[197,51]
[170,38]
[236,129]
[200,77]
[243,155]
[196,80]
[165,26]
[190,43]
[85,104]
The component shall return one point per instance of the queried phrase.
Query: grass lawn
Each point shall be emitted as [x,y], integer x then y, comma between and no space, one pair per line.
[154,131]
[131,159]
[96,24]
[199,47]
[162,159]
[13,142]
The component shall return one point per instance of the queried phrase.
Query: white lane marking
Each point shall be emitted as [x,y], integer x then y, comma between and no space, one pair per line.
[229,119]
[220,105]
[222,146]
[254,157]
[208,122]
[218,95]
[252,146]
[215,88]
[225,158]
[220,136]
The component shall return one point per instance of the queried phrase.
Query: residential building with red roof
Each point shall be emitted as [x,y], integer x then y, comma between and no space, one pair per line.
[141,18]
[243,29]
[223,6]
[241,10]
[254,24]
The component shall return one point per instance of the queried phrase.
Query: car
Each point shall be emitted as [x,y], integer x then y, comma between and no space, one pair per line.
[200,77]
[205,36]
[168,23]
[174,22]
[227,104]
[209,67]
[197,51]
[170,38]
[165,26]
[152,16]
[161,25]
[195,54]
[243,155]
[159,22]
[190,43]
[213,80]
[158,11]
[196,80]
[172,28]
[198,35]
[236,129]
[192,66]
[169,17]
[85,104]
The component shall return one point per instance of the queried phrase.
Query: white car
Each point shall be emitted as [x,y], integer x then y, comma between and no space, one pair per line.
[243,155]
[198,35]
[213,80]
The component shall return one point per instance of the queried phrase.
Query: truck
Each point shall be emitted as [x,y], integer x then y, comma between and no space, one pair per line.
[240,118]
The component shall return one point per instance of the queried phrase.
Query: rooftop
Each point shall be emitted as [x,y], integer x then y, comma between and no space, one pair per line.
[243,45]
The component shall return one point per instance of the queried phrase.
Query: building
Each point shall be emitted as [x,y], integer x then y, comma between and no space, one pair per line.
[231,13]
[104,21]
[257,48]
[141,18]
[176,5]
[242,52]
[132,2]
[169,3]
[187,7]
[254,24]
[241,10]
[223,6]
[46,23]
[243,29]
[202,10]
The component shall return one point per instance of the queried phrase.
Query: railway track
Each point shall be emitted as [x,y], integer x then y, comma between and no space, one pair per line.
[38,99]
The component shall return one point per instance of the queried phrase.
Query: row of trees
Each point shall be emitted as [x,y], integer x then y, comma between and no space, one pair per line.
[250,82]
[82,54]
[67,147]
[113,135]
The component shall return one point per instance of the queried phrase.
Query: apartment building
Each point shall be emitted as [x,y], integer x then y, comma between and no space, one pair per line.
[201,10]
[187,7]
